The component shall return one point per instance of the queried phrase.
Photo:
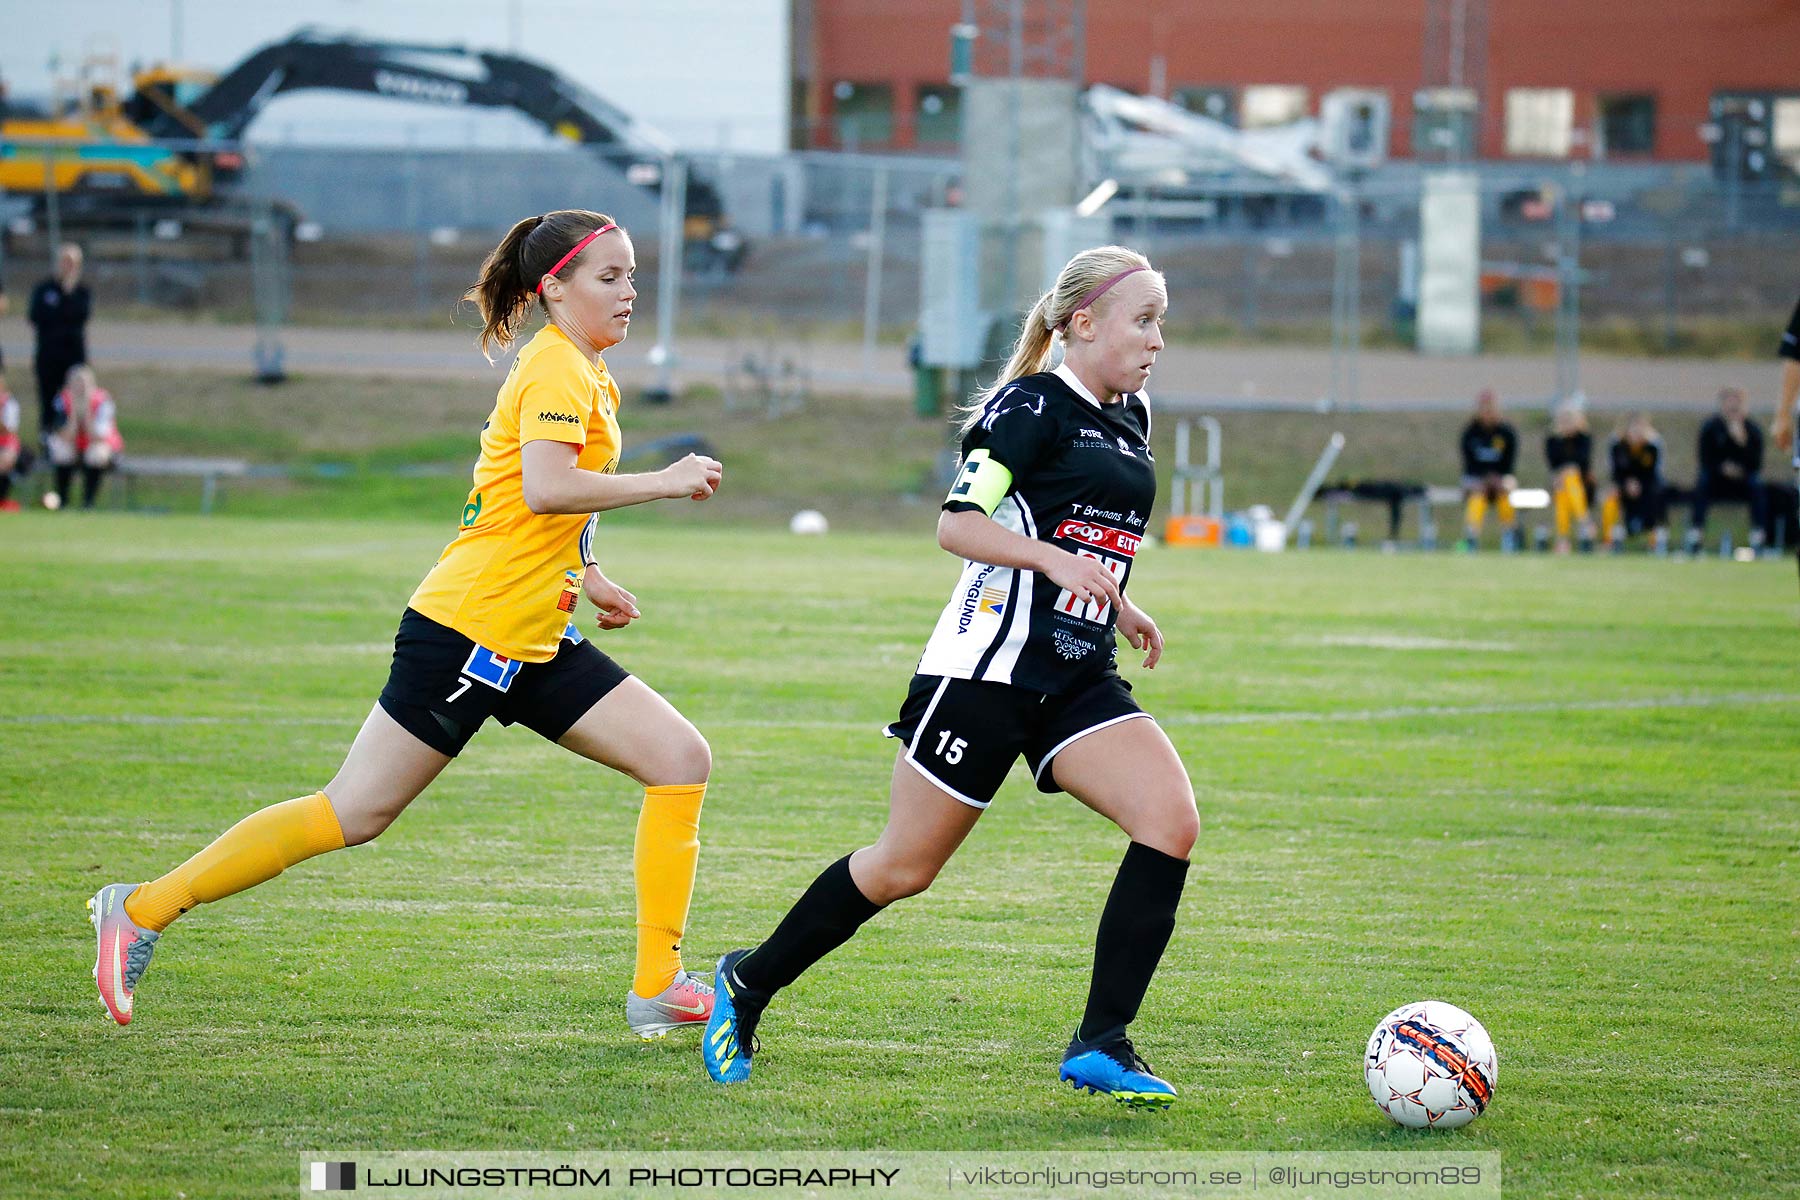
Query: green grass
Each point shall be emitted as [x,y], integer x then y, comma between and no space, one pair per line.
[1558,792]
[357,447]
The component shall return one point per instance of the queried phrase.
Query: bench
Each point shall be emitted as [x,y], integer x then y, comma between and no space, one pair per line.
[208,470]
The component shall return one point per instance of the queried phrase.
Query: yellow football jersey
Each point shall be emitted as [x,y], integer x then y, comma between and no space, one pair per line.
[509,579]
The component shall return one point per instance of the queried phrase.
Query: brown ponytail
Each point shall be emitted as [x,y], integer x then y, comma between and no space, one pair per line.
[504,291]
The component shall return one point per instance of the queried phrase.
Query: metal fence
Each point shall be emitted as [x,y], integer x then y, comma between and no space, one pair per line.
[1643,259]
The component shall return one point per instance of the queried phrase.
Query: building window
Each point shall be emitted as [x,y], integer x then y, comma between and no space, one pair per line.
[1444,123]
[1269,104]
[1785,136]
[1219,103]
[937,115]
[1540,122]
[863,114]
[1627,125]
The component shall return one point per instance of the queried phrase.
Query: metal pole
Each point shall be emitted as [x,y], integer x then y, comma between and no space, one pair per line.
[1014,135]
[668,278]
[140,256]
[1339,272]
[872,289]
[1353,298]
[52,215]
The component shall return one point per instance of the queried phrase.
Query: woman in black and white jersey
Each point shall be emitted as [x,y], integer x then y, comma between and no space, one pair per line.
[1051,504]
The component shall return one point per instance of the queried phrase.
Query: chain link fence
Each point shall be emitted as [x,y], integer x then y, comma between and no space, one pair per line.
[1644,259]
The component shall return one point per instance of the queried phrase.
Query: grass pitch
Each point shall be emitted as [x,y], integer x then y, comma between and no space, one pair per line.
[1560,793]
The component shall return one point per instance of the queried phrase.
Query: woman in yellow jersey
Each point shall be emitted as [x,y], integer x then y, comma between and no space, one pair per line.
[491,632]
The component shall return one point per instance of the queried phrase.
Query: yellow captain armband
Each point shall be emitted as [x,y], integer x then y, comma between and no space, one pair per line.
[982,482]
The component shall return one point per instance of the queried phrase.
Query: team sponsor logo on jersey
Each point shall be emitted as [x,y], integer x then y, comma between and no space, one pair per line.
[571,592]
[471,511]
[1069,646]
[1101,537]
[1097,611]
[993,600]
[495,670]
[973,598]
[560,418]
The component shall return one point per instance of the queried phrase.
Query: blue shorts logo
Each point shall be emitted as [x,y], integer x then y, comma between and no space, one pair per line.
[495,670]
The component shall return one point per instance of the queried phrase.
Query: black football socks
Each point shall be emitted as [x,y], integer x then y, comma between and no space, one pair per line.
[824,918]
[1134,931]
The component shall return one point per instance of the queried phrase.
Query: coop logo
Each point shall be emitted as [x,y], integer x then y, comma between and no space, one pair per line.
[972,598]
[1101,537]
[560,418]
[412,87]
[334,1177]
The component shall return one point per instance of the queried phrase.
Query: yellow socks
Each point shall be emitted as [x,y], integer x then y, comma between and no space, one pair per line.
[255,850]
[1570,503]
[1474,513]
[664,857]
[1503,508]
[1611,514]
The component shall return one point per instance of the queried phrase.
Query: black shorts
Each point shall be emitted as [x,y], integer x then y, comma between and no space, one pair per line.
[964,735]
[442,686]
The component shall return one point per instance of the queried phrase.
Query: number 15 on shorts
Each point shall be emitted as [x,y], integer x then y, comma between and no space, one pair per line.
[951,749]
[1097,611]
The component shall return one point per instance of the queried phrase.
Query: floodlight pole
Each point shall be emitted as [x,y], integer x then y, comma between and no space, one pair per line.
[877,249]
[668,278]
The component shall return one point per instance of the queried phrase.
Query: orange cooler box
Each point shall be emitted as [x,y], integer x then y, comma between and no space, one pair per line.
[1194,531]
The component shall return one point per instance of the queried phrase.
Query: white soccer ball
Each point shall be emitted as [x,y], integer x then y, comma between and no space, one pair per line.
[809,520]
[1430,1065]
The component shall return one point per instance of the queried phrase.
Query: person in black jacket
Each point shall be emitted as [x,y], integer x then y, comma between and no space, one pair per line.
[1787,412]
[1731,454]
[1637,501]
[1569,449]
[1490,450]
[59,310]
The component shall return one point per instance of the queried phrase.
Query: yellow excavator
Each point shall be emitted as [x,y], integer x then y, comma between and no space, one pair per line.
[92,150]
[173,141]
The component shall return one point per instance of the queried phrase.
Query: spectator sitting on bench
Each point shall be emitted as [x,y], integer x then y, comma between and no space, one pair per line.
[85,435]
[1490,448]
[1570,451]
[1731,454]
[1636,502]
[14,458]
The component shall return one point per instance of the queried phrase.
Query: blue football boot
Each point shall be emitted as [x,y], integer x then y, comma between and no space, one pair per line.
[1114,1068]
[730,1038]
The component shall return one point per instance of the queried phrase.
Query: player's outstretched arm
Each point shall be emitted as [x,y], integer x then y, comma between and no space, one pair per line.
[1142,633]
[554,484]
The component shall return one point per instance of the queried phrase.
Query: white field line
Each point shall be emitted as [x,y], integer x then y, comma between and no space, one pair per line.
[1291,717]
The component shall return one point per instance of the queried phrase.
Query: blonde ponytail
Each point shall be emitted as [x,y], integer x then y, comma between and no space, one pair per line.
[1031,351]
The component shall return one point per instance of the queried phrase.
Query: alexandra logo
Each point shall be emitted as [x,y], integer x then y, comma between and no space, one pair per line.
[334,1177]
[560,418]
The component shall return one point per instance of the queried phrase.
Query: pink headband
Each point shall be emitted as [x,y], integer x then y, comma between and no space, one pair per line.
[1097,291]
[577,249]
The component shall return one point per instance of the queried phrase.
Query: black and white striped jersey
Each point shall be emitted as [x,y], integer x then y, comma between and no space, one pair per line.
[1082,478]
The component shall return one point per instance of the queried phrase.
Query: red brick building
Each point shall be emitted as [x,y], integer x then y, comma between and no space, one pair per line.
[1613,79]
